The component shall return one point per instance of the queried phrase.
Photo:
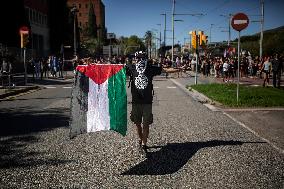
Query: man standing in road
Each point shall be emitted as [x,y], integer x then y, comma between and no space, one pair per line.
[277,70]
[141,76]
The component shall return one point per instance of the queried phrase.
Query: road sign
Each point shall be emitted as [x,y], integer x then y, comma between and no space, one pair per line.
[240,21]
[24,30]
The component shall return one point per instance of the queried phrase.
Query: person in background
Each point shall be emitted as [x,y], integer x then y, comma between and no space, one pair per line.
[266,69]
[276,70]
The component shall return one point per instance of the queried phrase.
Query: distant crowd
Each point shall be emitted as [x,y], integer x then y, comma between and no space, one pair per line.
[219,67]
[223,67]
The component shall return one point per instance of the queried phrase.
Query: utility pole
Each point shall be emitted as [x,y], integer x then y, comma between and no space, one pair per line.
[261,28]
[165,29]
[173,30]
[74,11]
[229,29]
[210,32]
[160,37]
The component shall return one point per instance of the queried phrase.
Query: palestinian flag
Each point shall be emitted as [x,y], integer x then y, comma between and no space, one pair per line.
[99,100]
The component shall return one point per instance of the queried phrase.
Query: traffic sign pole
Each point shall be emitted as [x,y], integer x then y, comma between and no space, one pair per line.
[239,22]
[197,57]
[25,67]
[239,41]
[24,30]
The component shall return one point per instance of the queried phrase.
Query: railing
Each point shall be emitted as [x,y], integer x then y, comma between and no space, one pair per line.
[11,80]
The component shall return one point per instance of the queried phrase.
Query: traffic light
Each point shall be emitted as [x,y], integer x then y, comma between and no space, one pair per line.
[24,40]
[201,34]
[204,39]
[193,39]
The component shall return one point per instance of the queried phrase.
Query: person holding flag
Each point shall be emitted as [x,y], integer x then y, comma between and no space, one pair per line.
[141,76]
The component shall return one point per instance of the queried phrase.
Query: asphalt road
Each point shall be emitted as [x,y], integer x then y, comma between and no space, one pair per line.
[190,147]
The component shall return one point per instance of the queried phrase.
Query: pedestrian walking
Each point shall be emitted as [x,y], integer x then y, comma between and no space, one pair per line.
[276,70]
[225,71]
[266,69]
[141,76]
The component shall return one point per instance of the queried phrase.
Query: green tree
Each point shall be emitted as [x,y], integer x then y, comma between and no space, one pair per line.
[91,46]
[133,43]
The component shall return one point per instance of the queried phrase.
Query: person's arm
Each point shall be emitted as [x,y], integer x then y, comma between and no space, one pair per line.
[156,70]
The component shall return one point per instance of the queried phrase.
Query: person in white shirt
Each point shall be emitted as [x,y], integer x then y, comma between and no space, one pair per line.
[225,71]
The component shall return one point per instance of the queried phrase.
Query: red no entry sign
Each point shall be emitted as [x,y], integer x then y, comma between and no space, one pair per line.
[24,30]
[240,21]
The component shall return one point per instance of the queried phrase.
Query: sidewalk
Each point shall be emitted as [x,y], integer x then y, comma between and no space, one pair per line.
[33,84]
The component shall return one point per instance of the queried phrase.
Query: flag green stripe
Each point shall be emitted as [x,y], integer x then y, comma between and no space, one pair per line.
[118,102]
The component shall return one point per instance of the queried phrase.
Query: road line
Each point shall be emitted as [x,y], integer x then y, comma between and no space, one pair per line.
[255,133]
[49,87]
[235,120]
[66,87]
[170,87]
[156,87]
[252,109]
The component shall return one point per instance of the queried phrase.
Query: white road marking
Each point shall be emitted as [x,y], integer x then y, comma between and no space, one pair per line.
[49,87]
[255,133]
[170,87]
[235,120]
[156,87]
[66,87]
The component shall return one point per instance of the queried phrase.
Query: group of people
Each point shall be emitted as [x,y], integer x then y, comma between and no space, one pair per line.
[226,67]
[46,67]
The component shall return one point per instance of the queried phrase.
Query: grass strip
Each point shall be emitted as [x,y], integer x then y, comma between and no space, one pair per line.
[249,96]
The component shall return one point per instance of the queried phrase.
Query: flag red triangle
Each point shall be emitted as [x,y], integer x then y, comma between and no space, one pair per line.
[99,73]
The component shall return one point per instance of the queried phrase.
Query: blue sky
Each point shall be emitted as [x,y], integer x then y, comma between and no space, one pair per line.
[135,17]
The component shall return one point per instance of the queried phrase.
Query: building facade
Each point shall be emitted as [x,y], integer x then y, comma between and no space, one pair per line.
[37,14]
[83,7]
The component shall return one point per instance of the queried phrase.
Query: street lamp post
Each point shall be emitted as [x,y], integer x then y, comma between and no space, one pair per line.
[173,30]
[165,29]
[229,28]
[173,25]
[261,27]
[74,11]
[210,32]
[160,37]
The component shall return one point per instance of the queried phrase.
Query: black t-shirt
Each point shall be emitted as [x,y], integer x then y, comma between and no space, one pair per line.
[141,77]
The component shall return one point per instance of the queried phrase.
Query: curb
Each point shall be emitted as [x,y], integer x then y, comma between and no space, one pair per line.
[199,97]
[16,92]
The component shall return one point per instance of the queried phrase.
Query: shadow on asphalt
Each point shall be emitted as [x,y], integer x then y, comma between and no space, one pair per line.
[173,156]
[13,154]
[25,121]
[19,121]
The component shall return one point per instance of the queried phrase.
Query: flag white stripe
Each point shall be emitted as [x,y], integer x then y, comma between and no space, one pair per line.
[98,117]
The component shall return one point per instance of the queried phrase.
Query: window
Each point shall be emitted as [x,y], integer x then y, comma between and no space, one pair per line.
[79,5]
[80,14]
[34,16]
[86,23]
[80,23]
[86,6]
